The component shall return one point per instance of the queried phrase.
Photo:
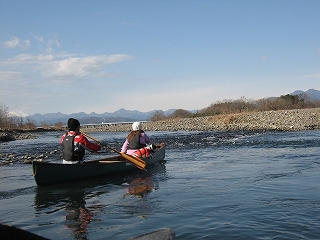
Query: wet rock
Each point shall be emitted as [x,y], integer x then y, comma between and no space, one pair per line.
[53,152]
[6,136]
[6,162]
[38,160]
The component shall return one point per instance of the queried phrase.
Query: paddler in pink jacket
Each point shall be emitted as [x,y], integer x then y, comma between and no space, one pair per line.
[136,139]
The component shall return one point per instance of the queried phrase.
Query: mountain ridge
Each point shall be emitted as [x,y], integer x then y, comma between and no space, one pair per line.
[121,115]
[312,93]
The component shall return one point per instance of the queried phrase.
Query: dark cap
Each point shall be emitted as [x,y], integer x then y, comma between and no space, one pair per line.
[73,124]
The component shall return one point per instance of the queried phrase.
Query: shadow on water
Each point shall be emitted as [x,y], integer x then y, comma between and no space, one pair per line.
[80,202]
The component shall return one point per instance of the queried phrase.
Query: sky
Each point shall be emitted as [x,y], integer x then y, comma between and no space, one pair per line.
[99,56]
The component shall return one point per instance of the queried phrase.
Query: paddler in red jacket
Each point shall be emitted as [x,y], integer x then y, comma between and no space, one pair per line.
[74,143]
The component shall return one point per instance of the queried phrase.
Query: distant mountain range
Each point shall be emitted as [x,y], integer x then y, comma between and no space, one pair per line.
[122,115]
[312,93]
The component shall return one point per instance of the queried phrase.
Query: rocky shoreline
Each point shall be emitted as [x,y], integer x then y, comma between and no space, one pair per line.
[12,135]
[283,120]
[286,120]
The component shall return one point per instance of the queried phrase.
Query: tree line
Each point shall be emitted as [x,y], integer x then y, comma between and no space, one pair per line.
[10,122]
[284,102]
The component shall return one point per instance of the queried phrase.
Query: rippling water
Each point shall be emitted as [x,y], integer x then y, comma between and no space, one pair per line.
[214,185]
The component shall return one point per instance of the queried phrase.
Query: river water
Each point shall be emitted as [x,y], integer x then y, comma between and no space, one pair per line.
[214,185]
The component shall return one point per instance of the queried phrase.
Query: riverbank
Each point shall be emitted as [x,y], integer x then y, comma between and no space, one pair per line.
[12,135]
[7,136]
[283,120]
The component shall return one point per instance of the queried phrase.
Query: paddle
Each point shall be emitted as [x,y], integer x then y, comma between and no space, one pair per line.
[139,163]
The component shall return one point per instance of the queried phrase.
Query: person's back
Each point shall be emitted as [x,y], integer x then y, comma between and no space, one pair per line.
[136,139]
[74,143]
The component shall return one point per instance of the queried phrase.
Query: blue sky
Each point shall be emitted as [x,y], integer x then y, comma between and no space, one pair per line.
[99,56]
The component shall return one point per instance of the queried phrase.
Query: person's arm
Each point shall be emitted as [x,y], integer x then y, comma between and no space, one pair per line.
[86,144]
[61,139]
[145,138]
[125,146]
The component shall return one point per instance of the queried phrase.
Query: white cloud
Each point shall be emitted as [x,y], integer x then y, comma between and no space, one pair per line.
[58,66]
[8,76]
[29,58]
[38,38]
[64,66]
[52,42]
[16,42]
[76,67]
[47,44]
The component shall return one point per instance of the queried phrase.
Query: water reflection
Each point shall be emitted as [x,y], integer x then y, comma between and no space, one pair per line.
[76,205]
[70,203]
[148,182]
[137,200]
[78,217]
[140,187]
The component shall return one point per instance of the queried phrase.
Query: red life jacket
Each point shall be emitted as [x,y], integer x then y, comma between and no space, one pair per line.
[142,152]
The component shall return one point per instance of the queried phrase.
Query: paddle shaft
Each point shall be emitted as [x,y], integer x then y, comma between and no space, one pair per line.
[139,163]
[96,140]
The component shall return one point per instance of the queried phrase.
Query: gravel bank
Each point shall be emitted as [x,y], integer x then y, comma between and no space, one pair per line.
[286,120]
[283,120]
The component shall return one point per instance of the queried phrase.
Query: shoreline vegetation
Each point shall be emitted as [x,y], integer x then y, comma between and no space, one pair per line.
[284,113]
[279,120]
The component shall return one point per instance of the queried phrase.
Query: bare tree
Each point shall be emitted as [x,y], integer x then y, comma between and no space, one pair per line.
[4,116]
[30,124]
[157,116]
[58,125]
[45,125]
[180,113]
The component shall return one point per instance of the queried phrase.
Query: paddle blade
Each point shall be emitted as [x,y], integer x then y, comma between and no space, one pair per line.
[139,163]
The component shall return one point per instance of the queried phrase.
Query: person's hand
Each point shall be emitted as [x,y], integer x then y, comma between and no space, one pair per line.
[151,146]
